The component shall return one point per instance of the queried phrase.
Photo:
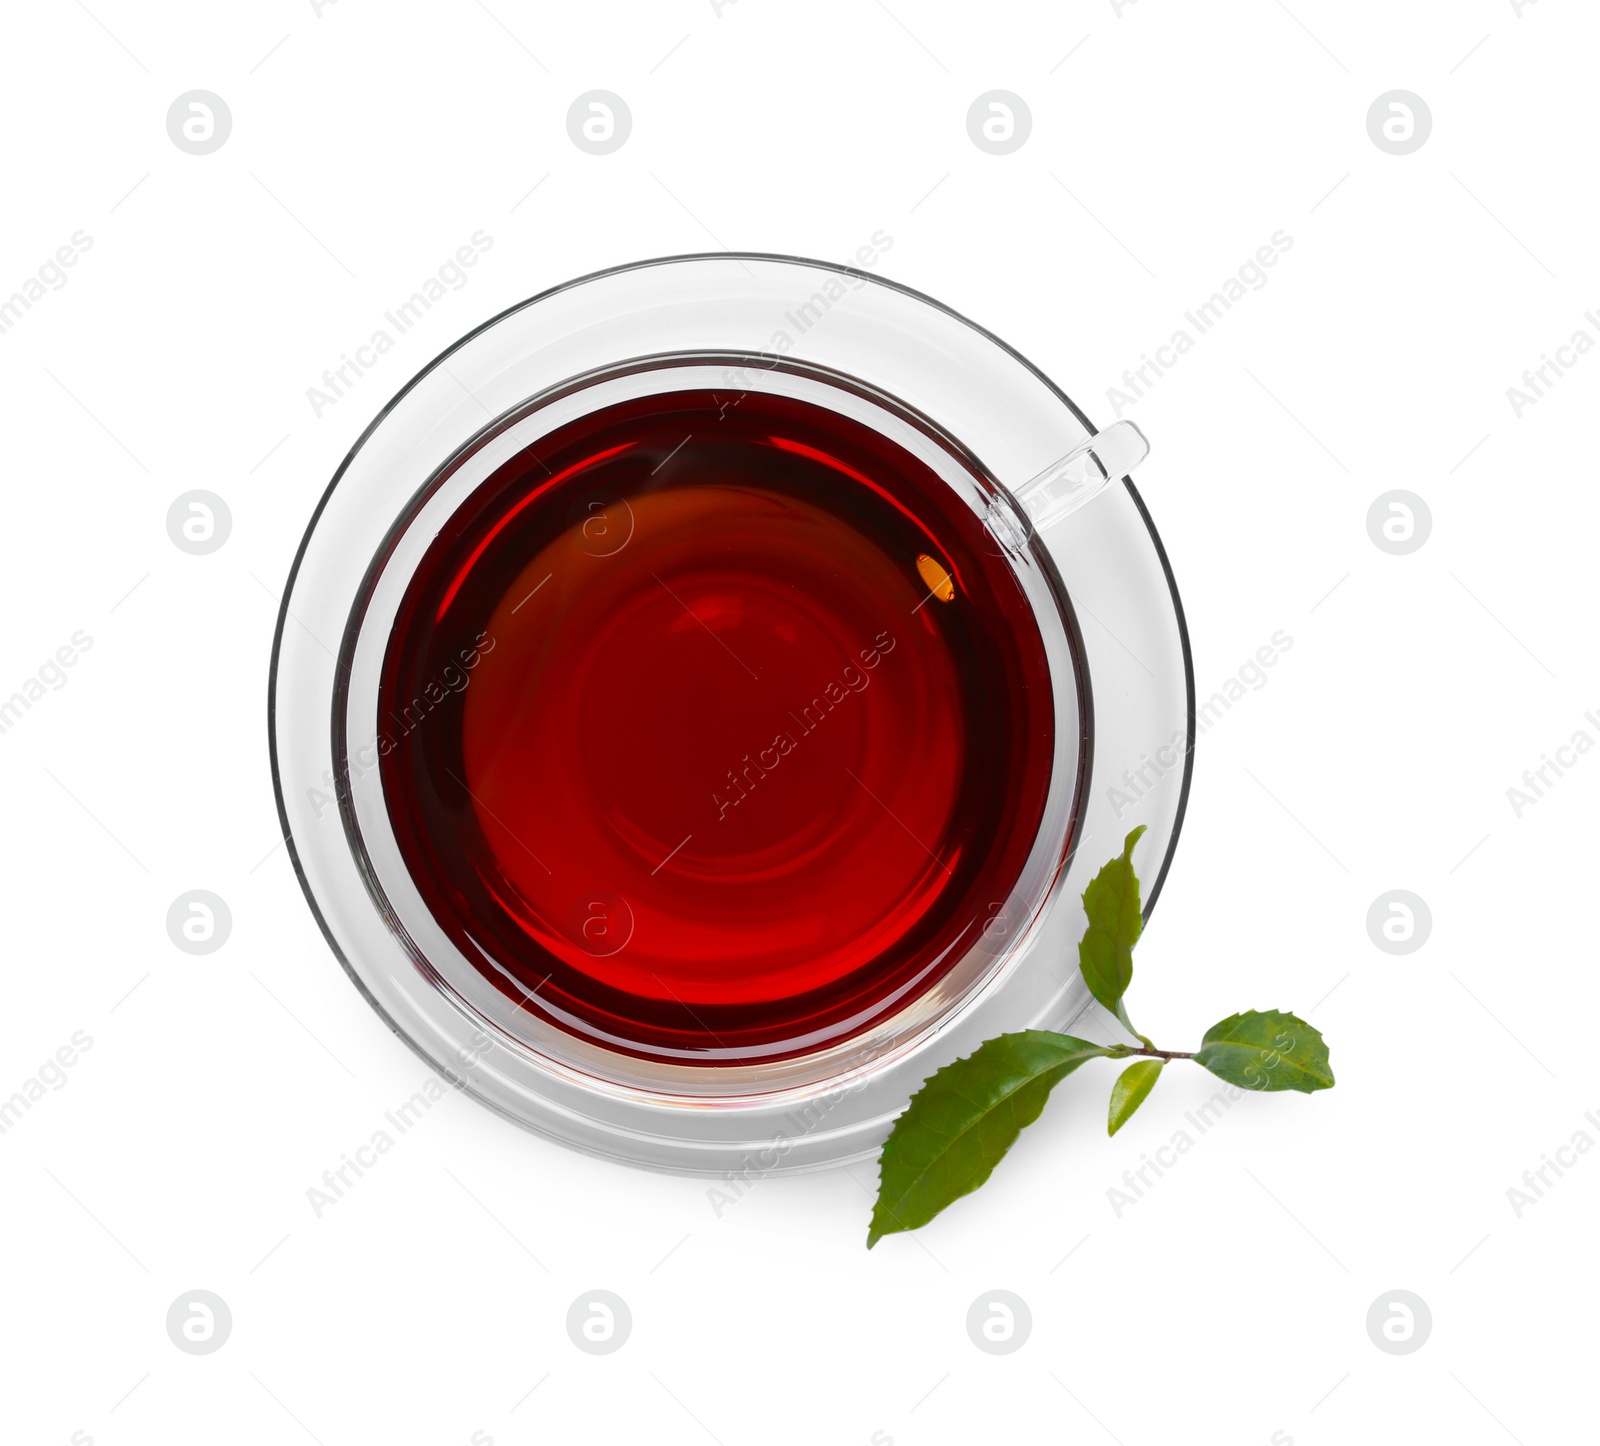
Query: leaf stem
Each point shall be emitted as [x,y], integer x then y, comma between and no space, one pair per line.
[1123,1051]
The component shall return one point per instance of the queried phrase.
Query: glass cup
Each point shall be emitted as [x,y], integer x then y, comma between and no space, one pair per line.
[1074,535]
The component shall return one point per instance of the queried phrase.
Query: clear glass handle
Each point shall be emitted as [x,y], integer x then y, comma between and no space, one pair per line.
[1065,485]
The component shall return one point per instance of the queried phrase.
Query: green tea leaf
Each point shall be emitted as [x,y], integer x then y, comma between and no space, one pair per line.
[962,1121]
[1266,1050]
[1128,1093]
[1105,953]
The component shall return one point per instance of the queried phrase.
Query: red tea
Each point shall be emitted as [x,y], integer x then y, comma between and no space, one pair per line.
[721,727]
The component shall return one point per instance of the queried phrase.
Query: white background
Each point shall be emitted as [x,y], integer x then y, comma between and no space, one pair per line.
[1168,143]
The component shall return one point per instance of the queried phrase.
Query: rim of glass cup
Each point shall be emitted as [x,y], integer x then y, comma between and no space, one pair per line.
[798,1128]
[363,804]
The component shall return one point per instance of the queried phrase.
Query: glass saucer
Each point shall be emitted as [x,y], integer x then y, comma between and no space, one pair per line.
[969,406]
